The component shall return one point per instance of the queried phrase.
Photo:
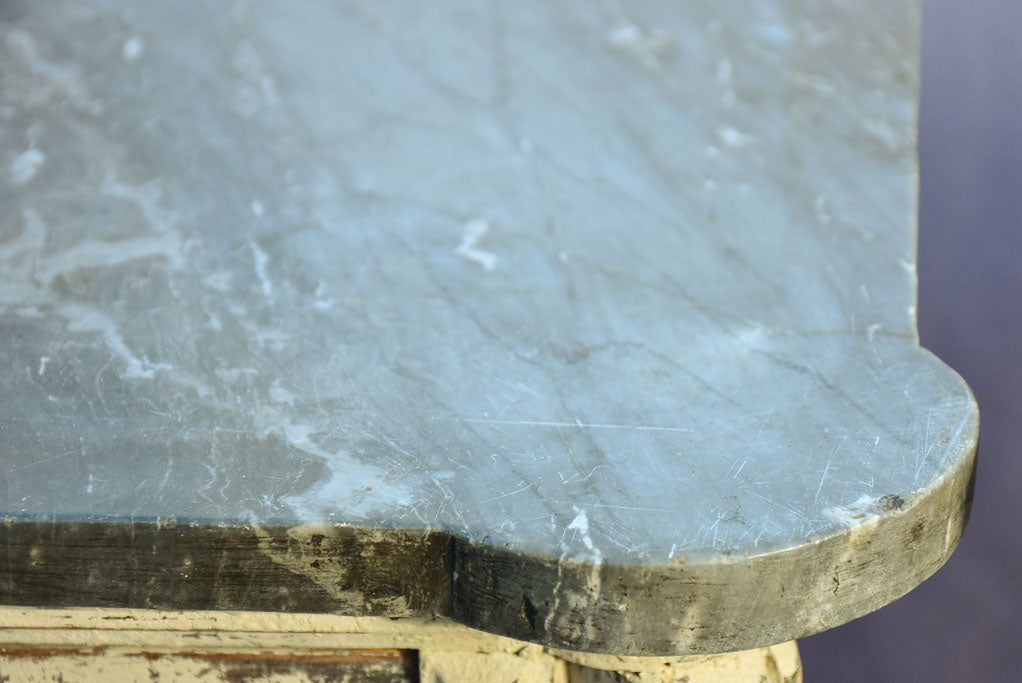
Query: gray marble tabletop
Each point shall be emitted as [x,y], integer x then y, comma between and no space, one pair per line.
[590,324]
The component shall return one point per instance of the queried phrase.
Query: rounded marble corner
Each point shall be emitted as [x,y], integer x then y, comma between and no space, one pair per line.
[861,556]
[879,549]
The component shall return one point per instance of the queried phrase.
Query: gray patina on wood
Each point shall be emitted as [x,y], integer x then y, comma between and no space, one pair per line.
[589,325]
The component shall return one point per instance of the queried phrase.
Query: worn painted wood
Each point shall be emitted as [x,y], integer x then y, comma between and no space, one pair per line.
[592,327]
[117,644]
[63,665]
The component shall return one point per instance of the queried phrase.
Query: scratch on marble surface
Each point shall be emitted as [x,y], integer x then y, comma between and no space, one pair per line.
[631,507]
[257,79]
[581,525]
[144,196]
[64,77]
[578,478]
[41,461]
[28,243]
[84,319]
[475,230]
[96,254]
[132,49]
[577,425]
[826,469]
[647,47]
[506,495]
[260,258]
[822,209]
[733,137]
[26,165]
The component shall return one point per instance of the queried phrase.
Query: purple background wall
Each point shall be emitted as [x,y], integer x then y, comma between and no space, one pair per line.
[964,624]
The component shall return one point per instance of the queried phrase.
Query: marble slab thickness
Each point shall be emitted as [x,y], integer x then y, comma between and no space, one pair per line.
[590,325]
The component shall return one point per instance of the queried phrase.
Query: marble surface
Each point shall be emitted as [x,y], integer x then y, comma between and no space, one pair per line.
[612,304]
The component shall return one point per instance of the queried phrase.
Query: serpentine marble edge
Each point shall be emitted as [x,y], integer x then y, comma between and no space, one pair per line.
[589,324]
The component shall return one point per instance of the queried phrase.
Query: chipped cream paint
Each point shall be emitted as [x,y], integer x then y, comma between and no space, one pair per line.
[85,667]
[112,642]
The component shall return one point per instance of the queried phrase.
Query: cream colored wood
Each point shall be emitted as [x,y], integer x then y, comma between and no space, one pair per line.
[115,644]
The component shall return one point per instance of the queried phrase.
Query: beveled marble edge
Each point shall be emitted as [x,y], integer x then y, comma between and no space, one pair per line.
[682,608]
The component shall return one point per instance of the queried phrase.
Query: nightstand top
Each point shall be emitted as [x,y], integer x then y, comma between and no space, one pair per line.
[591,327]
